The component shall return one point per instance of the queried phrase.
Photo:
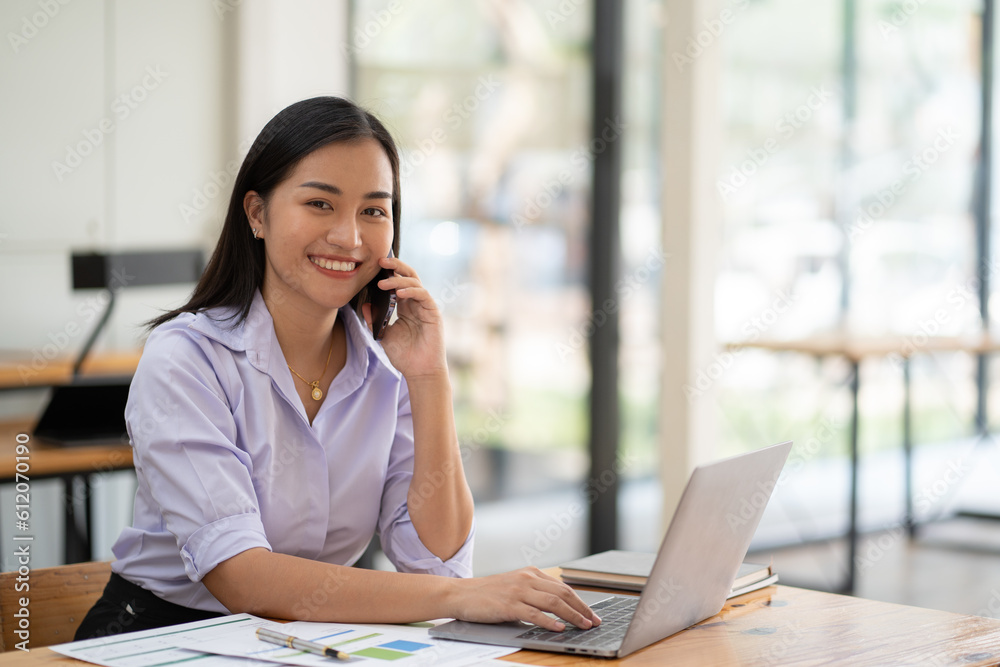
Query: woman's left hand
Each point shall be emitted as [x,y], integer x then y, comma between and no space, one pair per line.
[414,343]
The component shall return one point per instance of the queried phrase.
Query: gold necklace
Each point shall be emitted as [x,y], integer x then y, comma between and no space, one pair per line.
[317,393]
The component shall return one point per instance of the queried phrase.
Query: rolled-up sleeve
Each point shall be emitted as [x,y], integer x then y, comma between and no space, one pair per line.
[399,538]
[184,434]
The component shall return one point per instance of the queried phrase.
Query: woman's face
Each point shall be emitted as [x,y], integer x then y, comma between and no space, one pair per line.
[325,227]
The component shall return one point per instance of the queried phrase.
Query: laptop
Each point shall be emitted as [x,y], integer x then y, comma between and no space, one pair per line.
[87,411]
[691,578]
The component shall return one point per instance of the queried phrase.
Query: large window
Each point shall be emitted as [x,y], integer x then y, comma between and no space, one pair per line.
[847,183]
[849,134]
[490,103]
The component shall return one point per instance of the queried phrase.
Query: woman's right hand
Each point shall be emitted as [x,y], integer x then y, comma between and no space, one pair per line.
[521,595]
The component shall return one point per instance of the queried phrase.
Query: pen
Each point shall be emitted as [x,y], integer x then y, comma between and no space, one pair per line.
[273,637]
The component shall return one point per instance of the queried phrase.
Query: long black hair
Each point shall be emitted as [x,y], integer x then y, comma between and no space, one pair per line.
[236,270]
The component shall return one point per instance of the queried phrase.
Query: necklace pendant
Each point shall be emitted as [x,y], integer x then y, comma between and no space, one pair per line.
[317,393]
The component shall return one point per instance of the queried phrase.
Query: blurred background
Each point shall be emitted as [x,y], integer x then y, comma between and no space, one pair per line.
[798,173]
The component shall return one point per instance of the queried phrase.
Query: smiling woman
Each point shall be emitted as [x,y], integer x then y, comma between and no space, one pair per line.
[326,226]
[274,435]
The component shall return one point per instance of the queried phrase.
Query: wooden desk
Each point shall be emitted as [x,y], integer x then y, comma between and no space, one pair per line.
[777,625]
[48,461]
[780,625]
[854,349]
[74,465]
[67,464]
[20,370]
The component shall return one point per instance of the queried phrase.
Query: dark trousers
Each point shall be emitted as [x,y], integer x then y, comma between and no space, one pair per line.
[126,607]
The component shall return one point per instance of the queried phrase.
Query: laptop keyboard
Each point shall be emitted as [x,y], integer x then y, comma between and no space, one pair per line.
[616,614]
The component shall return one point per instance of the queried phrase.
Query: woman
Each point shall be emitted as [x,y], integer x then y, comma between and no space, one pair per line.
[273,436]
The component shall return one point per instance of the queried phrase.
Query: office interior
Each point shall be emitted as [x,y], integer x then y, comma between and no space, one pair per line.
[615,204]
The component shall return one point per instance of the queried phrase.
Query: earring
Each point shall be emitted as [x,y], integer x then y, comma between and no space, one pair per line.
[255,233]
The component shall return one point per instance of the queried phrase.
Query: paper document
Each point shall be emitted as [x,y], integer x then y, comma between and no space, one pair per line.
[158,647]
[404,645]
[231,641]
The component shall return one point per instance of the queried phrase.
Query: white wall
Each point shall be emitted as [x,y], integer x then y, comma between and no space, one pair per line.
[304,56]
[112,113]
[179,88]
[181,85]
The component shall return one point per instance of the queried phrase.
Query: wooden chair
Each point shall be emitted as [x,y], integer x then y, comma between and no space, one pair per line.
[59,598]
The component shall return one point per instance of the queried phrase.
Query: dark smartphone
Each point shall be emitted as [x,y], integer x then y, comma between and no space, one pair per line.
[383,302]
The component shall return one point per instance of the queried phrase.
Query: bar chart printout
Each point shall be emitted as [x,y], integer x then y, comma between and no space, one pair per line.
[232,641]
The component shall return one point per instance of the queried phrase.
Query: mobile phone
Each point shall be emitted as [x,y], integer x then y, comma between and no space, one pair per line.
[383,302]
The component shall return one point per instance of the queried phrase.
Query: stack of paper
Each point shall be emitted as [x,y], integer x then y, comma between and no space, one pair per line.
[231,640]
[628,570]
